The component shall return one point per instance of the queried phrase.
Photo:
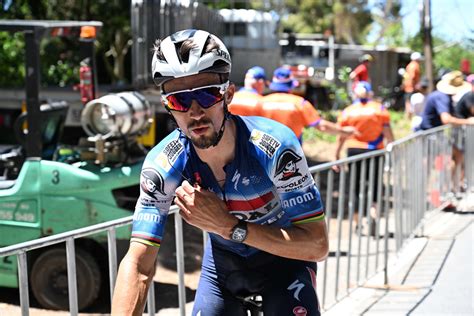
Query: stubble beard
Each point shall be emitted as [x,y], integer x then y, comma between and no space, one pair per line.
[203,141]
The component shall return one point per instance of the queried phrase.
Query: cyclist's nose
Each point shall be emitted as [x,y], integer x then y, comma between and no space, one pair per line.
[195,111]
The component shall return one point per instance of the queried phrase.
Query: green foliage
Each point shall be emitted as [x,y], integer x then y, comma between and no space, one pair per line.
[343,73]
[339,94]
[308,16]
[400,124]
[311,134]
[12,56]
[60,66]
[394,36]
[416,42]
[448,55]
[346,19]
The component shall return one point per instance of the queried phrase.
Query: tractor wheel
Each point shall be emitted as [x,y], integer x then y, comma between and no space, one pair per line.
[49,279]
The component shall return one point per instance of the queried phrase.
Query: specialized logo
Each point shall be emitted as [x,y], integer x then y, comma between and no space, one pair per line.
[152,182]
[265,142]
[169,154]
[300,199]
[286,165]
[245,180]
[297,286]
[300,311]
[221,53]
[235,179]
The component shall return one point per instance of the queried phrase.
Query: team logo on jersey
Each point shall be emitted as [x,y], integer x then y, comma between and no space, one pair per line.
[169,154]
[147,216]
[152,182]
[300,199]
[287,165]
[265,142]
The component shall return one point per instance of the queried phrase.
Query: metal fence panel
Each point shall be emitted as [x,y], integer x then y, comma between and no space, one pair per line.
[414,177]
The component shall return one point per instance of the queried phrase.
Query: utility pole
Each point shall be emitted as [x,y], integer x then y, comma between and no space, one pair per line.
[428,43]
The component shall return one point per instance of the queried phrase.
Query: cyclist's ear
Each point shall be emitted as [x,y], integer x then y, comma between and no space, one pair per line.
[229,95]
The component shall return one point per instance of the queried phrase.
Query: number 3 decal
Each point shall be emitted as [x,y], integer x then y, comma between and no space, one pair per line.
[55,179]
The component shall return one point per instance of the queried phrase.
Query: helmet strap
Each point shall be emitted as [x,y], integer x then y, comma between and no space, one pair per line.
[222,129]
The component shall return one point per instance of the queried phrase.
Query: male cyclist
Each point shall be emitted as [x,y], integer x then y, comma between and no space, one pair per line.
[242,179]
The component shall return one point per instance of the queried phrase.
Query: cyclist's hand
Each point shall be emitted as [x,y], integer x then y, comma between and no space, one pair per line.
[204,209]
[470,120]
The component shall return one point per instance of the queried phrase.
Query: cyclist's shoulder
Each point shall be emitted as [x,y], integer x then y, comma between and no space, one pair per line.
[267,135]
[256,124]
[168,150]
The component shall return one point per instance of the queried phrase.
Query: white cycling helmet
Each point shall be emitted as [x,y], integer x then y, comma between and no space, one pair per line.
[172,66]
[415,56]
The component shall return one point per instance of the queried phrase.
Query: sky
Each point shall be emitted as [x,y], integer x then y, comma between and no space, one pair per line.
[452,20]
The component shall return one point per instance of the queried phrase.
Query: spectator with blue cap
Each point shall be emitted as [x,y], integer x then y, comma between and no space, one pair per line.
[247,101]
[292,110]
[372,120]
[283,80]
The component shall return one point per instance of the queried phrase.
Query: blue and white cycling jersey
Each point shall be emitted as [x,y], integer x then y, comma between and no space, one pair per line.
[267,183]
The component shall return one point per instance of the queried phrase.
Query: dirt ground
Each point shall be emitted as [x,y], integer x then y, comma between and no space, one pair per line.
[318,151]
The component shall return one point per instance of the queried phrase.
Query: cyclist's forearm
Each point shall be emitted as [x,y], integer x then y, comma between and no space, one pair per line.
[130,290]
[303,242]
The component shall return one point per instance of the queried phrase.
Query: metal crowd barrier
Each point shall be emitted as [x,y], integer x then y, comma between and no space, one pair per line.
[399,185]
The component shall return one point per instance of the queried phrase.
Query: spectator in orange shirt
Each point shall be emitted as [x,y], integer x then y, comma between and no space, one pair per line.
[247,101]
[372,121]
[411,78]
[294,111]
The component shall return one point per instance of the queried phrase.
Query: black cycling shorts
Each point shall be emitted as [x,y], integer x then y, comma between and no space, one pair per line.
[288,287]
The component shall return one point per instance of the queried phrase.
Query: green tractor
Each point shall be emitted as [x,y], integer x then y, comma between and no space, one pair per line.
[47,187]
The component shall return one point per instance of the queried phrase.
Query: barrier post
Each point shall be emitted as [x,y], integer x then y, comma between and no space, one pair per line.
[71,276]
[23,280]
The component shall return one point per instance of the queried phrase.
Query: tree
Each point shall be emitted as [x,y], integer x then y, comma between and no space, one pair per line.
[448,55]
[388,23]
[113,41]
[308,16]
[12,54]
[351,18]
[346,18]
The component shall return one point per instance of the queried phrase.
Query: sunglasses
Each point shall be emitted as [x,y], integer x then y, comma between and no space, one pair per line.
[206,97]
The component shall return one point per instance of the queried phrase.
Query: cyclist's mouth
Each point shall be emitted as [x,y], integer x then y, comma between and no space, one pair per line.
[200,130]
